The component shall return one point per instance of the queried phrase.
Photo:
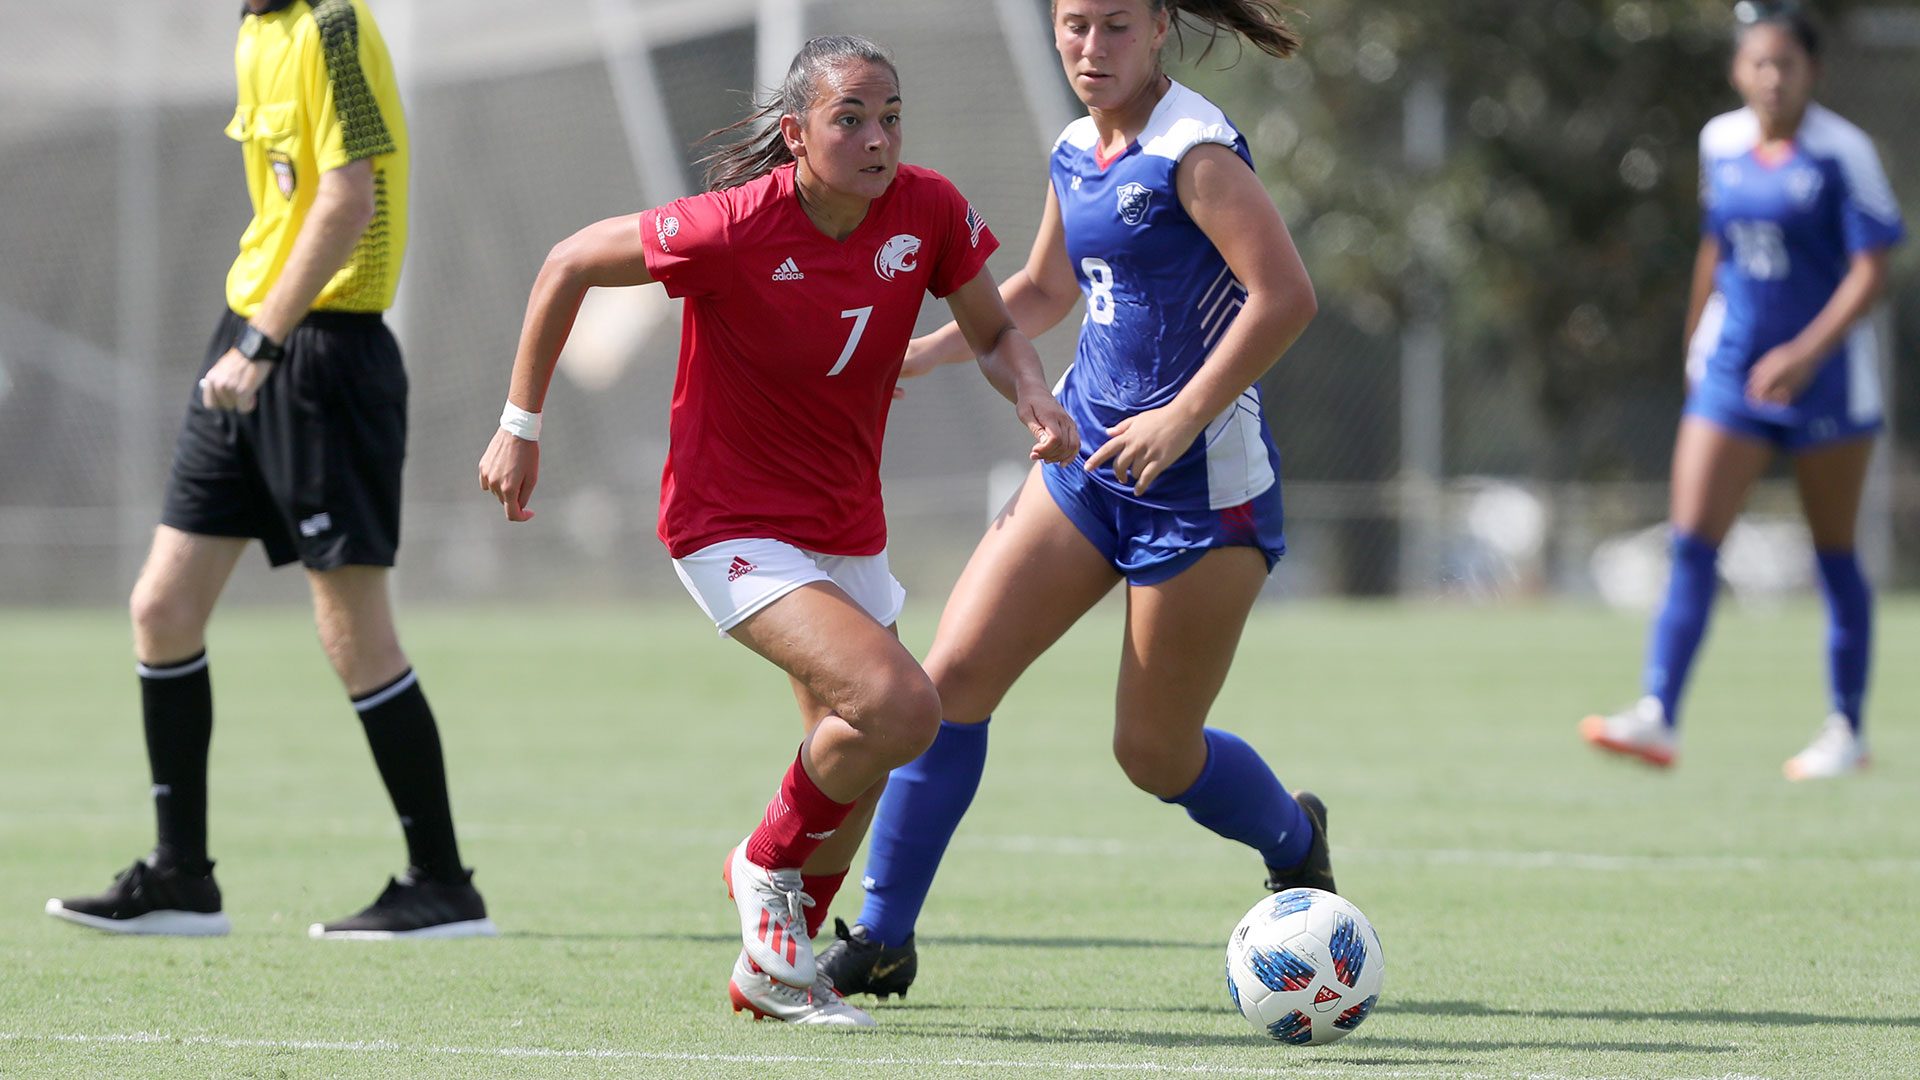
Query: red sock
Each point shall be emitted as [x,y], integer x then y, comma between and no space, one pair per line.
[822,888]
[797,820]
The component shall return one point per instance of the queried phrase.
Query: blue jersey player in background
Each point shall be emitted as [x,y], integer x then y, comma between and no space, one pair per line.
[1193,289]
[1798,220]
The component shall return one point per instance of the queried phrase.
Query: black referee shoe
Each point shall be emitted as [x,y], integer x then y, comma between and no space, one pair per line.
[149,899]
[1316,870]
[859,965]
[415,906]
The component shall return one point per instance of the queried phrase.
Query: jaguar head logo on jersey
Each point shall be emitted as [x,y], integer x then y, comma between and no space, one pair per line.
[1803,185]
[1133,203]
[896,256]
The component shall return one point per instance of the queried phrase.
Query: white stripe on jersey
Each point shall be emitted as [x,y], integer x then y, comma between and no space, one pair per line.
[1823,134]
[1182,120]
[1827,134]
[1863,373]
[1224,296]
[1237,464]
[1706,337]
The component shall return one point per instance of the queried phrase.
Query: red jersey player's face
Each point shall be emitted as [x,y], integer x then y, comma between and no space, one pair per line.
[1774,75]
[851,141]
[1110,48]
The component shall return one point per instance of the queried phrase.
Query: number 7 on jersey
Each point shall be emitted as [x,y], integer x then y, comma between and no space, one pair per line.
[859,317]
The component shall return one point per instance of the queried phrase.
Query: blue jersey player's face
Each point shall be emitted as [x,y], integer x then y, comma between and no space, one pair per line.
[1774,76]
[851,138]
[1110,48]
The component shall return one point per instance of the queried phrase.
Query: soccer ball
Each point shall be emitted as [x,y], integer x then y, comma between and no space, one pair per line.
[1304,967]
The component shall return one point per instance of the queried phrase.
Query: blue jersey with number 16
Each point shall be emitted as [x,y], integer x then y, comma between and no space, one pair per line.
[1159,298]
[1786,228]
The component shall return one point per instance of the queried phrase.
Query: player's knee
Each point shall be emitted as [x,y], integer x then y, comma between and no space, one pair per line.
[361,664]
[899,710]
[162,618]
[920,722]
[969,689]
[1148,764]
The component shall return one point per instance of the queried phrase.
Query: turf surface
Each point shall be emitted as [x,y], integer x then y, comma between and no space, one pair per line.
[1545,913]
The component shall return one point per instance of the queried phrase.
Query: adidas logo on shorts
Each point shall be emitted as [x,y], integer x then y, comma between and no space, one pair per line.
[740,569]
[788,272]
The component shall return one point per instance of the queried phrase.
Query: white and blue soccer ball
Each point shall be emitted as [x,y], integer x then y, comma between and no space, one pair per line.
[1304,967]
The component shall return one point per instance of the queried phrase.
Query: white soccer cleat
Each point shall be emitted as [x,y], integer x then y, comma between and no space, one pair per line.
[1836,751]
[767,998]
[773,918]
[1640,731]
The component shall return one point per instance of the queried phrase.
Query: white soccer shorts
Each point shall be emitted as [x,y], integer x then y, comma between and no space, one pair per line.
[733,579]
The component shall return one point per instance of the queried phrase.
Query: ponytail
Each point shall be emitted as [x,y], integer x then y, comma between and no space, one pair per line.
[763,148]
[1259,21]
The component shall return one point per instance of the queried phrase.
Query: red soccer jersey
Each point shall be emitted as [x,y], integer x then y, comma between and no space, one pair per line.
[790,346]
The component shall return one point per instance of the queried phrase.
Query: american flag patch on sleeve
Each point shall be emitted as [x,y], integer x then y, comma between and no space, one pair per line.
[975,223]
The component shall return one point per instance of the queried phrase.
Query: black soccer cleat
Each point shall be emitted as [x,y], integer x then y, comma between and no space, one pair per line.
[415,906]
[1316,870]
[149,899]
[860,965]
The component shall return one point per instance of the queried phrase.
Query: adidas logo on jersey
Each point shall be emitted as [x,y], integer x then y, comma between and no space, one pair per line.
[788,272]
[741,567]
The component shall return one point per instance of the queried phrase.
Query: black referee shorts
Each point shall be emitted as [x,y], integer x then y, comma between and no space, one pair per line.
[313,471]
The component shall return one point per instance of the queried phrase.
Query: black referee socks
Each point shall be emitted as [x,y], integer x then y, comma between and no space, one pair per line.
[406,747]
[176,706]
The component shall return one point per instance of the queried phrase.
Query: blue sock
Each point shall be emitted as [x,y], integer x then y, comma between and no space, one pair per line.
[924,802]
[1849,630]
[1238,797]
[1682,621]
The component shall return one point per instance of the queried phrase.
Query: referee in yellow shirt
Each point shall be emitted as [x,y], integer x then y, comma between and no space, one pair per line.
[295,437]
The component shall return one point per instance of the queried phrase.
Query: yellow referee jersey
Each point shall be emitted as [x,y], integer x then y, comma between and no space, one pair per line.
[316,92]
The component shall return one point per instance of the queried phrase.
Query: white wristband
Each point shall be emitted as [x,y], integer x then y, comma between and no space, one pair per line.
[520,423]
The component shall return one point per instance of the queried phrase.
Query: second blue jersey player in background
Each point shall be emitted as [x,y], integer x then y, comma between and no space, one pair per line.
[1798,221]
[1193,289]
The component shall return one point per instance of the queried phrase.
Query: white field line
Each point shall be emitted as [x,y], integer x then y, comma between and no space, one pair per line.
[1103,847]
[382,1046]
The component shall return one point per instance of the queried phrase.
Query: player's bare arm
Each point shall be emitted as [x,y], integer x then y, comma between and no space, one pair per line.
[1225,198]
[1008,361]
[342,208]
[606,254]
[1037,296]
[1785,370]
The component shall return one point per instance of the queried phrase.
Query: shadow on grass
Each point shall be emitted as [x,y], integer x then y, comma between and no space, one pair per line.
[901,1005]
[1680,1016]
[893,1023]
[984,941]
[998,942]
[544,935]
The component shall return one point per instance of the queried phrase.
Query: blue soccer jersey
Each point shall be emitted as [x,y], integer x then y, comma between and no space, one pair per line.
[1787,230]
[1159,298]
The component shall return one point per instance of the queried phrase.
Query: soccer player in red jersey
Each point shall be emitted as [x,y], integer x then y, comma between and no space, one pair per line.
[802,268]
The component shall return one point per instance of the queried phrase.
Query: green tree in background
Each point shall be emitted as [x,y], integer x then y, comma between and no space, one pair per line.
[1552,226]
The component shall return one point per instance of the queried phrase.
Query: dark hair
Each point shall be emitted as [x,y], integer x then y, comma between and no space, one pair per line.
[763,149]
[1786,14]
[1259,21]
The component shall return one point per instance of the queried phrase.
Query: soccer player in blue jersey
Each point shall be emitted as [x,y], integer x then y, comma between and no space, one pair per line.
[1793,251]
[1193,289]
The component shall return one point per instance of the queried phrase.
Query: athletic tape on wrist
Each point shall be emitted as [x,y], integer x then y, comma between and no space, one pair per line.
[519,422]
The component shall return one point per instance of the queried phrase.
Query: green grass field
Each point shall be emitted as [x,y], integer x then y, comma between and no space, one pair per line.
[1545,913]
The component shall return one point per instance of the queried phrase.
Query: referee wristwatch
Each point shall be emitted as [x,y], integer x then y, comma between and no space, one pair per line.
[258,347]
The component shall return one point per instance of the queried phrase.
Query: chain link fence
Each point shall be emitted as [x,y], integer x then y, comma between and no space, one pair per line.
[123,202]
